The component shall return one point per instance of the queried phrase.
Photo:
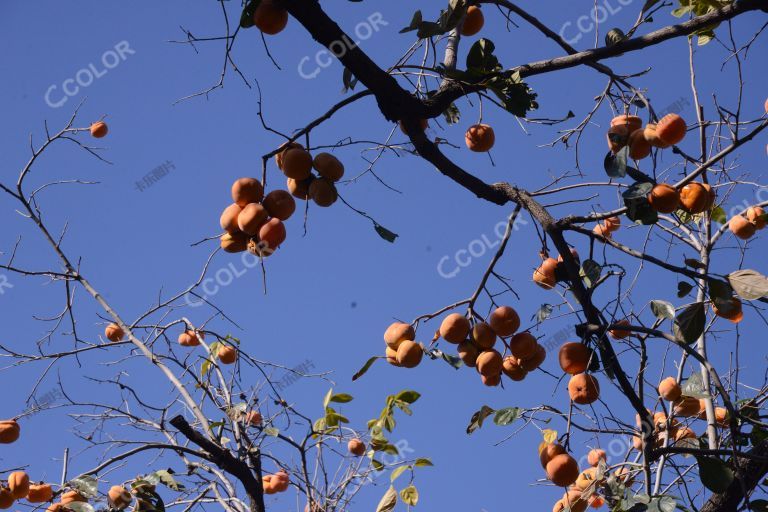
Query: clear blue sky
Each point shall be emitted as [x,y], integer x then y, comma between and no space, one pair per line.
[333,291]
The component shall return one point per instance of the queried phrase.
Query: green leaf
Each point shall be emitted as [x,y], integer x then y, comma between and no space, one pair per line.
[683,289]
[397,472]
[481,58]
[408,396]
[477,419]
[749,284]
[693,263]
[388,501]
[662,504]
[87,485]
[590,272]
[718,215]
[378,466]
[758,505]
[616,165]
[636,201]
[663,309]
[80,506]
[271,431]
[348,79]
[689,324]
[506,416]
[422,463]
[342,398]
[714,474]
[410,495]
[694,387]
[384,233]
[327,398]
[415,22]
[246,17]
[365,367]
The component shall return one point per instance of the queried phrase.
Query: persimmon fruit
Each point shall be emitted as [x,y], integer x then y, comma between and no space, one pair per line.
[328,166]
[633,123]
[9,431]
[639,148]
[455,328]
[6,498]
[279,204]
[756,215]
[531,363]
[228,218]
[489,363]
[251,218]
[583,388]
[562,470]
[99,129]
[281,152]
[544,275]
[114,332]
[237,242]
[649,132]
[618,333]
[254,418]
[617,137]
[504,321]
[480,138]
[298,189]
[297,164]
[119,497]
[669,389]
[734,313]
[595,455]
[270,18]
[323,192]
[473,21]
[247,190]
[664,198]
[398,332]
[468,353]
[40,493]
[356,447]
[512,367]
[549,451]
[272,233]
[671,129]
[18,484]
[227,354]
[409,354]
[483,336]
[523,345]
[742,227]
[694,197]
[189,339]
[574,357]
[72,496]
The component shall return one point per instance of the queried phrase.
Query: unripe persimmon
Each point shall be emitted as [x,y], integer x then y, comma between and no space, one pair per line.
[633,123]
[618,333]
[583,388]
[671,129]
[756,215]
[595,455]
[480,138]
[18,483]
[409,354]
[269,17]
[489,363]
[612,224]
[99,129]
[281,152]
[227,354]
[491,380]
[356,447]
[254,418]
[586,478]
[687,407]
[237,242]
[523,345]
[398,332]
[531,363]
[279,204]
[72,496]
[323,192]
[468,353]
[504,321]
[114,332]
[574,357]
[39,493]
[639,148]
[272,234]
[251,218]
[247,190]
[512,367]
[9,431]
[649,132]
[694,197]
[742,227]
[562,470]
[473,21]
[455,328]
[483,336]
[297,164]
[6,498]
[119,497]
[328,166]
[664,198]
[228,219]
[669,389]
[544,275]
[298,189]
[617,137]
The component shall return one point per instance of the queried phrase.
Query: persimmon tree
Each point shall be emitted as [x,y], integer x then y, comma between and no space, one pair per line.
[699,440]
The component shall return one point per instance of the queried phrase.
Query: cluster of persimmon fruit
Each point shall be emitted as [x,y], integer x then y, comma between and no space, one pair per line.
[18,487]
[270,18]
[551,271]
[225,353]
[297,164]
[627,131]
[253,221]
[475,345]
